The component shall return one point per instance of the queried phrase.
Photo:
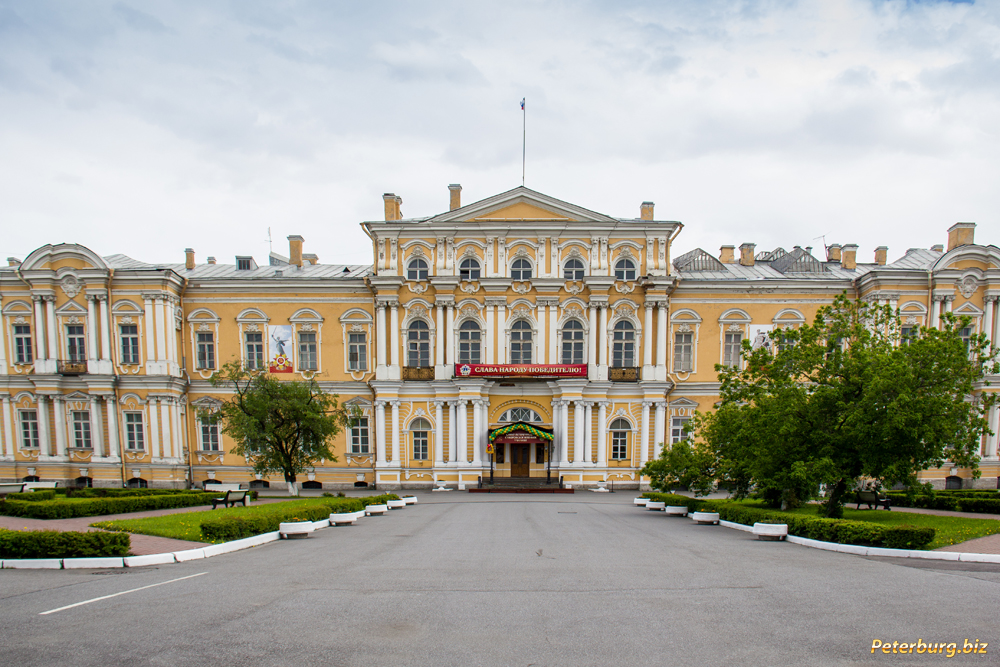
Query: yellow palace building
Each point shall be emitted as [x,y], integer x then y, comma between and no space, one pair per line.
[520,332]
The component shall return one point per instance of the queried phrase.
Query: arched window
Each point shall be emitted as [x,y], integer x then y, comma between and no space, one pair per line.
[520,415]
[572,342]
[469,343]
[420,430]
[260,484]
[620,429]
[31,478]
[952,482]
[469,269]
[83,483]
[623,352]
[138,483]
[520,343]
[417,270]
[418,340]
[573,270]
[625,269]
[312,484]
[520,270]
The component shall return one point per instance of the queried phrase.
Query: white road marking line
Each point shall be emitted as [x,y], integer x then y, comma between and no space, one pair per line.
[114,595]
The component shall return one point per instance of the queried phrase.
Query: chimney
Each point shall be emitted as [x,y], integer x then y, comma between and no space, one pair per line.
[833,252]
[295,250]
[456,196]
[746,254]
[849,257]
[727,254]
[880,253]
[211,260]
[399,207]
[646,211]
[13,261]
[188,258]
[937,247]
[311,258]
[961,233]
[809,250]
[390,206]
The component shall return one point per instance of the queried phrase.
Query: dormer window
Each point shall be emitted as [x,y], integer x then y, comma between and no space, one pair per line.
[469,269]
[245,263]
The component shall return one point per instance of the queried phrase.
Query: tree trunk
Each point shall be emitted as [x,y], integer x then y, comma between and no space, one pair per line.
[293,489]
[834,505]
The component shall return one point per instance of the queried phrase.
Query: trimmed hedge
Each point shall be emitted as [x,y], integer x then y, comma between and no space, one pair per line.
[676,500]
[55,544]
[32,496]
[265,518]
[951,501]
[66,509]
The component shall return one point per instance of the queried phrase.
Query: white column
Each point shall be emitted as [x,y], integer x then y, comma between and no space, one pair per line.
[169,435]
[171,329]
[3,346]
[8,427]
[161,329]
[592,356]
[543,335]
[602,344]
[488,351]
[96,430]
[438,428]
[935,312]
[993,440]
[644,434]
[40,348]
[449,334]
[381,338]
[113,445]
[503,344]
[147,323]
[647,336]
[661,340]
[380,430]
[988,318]
[396,460]
[105,328]
[180,439]
[394,336]
[44,437]
[462,446]
[577,432]
[588,434]
[92,348]
[477,431]
[658,427]
[553,333]
[949,303]
[602,434]
[453,431]
[564,418]
[439,343]
[154,428]
[59,405]
[50,326]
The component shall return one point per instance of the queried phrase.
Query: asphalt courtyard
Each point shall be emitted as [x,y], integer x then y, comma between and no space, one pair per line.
[463,579]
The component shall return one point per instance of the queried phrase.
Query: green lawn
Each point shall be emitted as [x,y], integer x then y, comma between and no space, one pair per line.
[187,525]
[949,529]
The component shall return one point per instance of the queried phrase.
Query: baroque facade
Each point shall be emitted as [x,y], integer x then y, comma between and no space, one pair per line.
[519,309]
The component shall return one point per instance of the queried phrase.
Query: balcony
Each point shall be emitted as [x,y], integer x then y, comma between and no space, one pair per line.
[423,374]
[625,374]
[72,367]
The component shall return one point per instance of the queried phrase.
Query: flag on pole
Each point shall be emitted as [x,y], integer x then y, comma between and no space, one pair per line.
[522,104]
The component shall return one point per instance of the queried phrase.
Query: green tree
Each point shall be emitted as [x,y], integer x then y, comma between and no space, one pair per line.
[683,464]
[845,399]
[279,426]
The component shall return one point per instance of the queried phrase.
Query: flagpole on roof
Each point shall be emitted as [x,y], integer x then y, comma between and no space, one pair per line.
[524,137]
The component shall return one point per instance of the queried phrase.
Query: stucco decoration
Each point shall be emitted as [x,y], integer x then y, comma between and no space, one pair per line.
[574,288]
[625,288]
[968,286]
[625,309]
[70,286]
[522,288]
[469,287]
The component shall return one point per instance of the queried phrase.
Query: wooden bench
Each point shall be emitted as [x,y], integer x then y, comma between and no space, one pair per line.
[17,487]
[221,488]
[871,498]
[231,498]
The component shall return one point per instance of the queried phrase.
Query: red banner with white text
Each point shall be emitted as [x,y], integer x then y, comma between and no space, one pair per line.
[521,370]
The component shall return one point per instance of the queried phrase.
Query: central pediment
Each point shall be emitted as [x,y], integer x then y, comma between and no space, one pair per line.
[521,204]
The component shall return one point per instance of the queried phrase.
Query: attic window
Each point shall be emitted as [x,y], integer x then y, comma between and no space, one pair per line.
[346,270]
[245,263]
[798,261]
[765,256]
[698,260]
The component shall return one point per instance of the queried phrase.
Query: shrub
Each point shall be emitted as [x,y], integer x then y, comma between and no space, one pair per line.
[32,496]
[955,501]
[65,509]
[55,544]
[676,500]
[265,518]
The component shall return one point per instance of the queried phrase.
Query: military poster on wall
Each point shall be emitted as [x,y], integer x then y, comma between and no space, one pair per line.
[279,348]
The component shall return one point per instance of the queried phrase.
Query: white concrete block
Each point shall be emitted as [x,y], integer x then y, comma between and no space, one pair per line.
[190,554]
[322,523]
[92,563]
[730,524]
[33,564]
[975,558]
[149,559]
[935,555]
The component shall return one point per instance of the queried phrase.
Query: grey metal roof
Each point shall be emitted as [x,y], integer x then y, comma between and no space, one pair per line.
[798,261]
[697,260]
[229,271]
[765,271]
[916,258]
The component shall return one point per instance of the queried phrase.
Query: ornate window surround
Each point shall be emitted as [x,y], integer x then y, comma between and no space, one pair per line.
[522,309]
[254,319]
[732,321]
[203,320]
[126,311]
[19,312]
[684,320]
[71,313]
[624,310]
[355,320]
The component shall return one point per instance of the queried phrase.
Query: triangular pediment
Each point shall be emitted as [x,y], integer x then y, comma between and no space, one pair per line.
[521,204]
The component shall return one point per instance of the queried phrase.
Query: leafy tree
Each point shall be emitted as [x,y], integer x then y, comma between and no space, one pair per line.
[683,464]
[278,426]
[847,399]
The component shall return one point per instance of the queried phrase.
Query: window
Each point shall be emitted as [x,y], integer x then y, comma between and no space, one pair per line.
[520,343]
[683,351]
[418,338]
[209,433]
[417,270]
[244,263]
[83,482]
[521,415]
[677,426]
[572,342]
[623,351]
[499,451]
[469,269]
[573,270]
[357,352]
[540,452]
[420,429]
[206,350]
[307,351]
[965,334]
[76,343]
[469,343]
[625,269]
[29,428]
[907,335]
[81,429]
[359,436]
[134,438]
[520,270]
[255,350]
[619,439]
[22,344]
[130,343]
[259,484]
[138,483]
[731,348]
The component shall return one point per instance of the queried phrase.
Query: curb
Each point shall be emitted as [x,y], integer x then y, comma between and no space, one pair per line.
[880,552]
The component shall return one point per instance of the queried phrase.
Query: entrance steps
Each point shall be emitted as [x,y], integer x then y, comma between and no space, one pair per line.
[520,485]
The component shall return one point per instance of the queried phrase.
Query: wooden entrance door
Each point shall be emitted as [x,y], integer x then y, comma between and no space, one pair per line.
[519,458]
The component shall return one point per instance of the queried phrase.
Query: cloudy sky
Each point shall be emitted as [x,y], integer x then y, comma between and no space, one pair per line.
[146,127]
